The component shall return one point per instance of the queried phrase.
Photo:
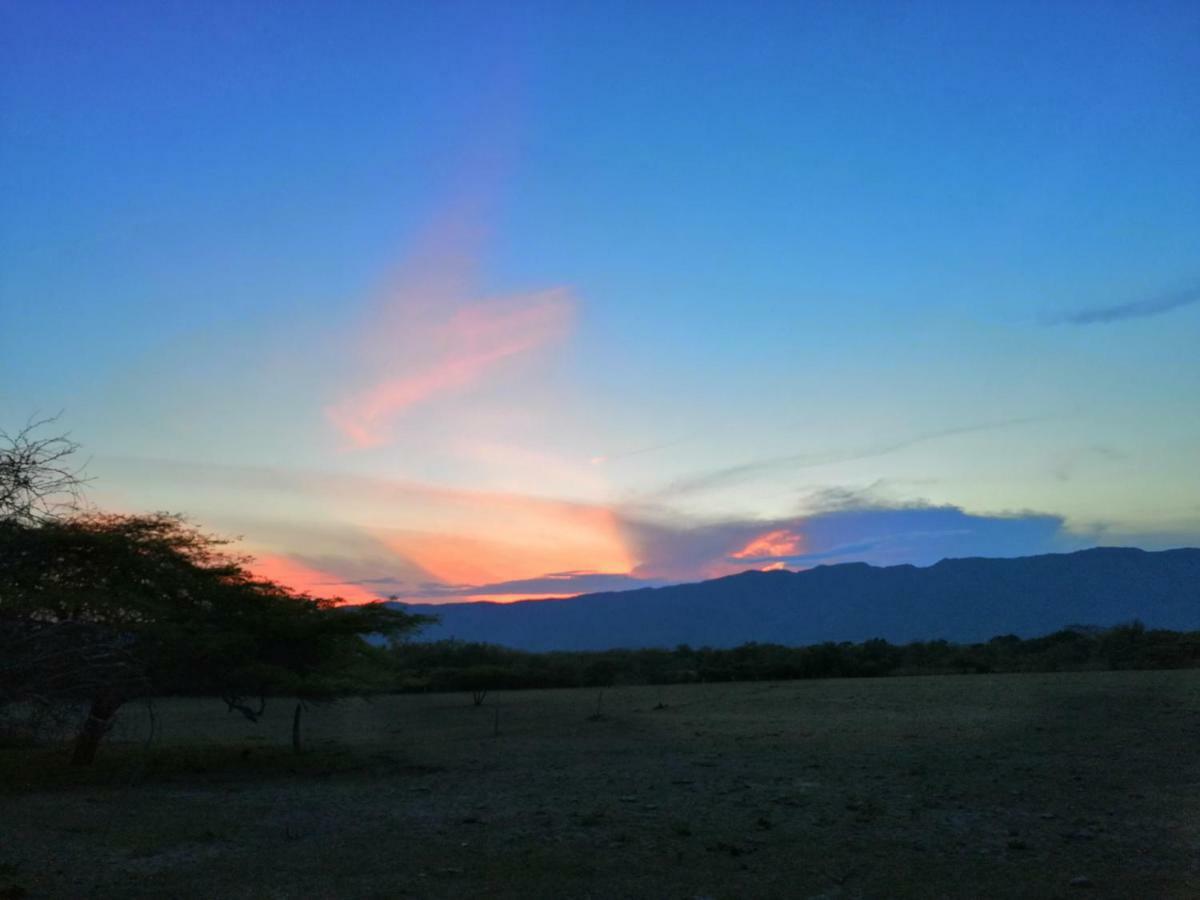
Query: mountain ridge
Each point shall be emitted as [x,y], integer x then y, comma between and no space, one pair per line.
[960,599]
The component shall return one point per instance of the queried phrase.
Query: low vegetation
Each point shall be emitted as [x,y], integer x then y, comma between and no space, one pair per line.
[460,666]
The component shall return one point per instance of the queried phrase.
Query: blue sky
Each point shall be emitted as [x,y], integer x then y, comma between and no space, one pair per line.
[452,296]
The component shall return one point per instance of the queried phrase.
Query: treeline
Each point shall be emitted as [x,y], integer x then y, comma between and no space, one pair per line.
[476,667]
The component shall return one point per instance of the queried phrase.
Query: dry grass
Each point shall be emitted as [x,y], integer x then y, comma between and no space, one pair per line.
[983,786]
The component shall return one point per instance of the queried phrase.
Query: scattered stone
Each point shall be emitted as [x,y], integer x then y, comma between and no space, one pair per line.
[726,847]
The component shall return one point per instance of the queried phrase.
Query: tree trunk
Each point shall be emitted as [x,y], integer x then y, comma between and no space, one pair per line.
[296,746]
[99,720]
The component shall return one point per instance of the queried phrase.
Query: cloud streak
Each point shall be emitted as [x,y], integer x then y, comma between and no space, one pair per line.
[1138,309]
[433,333]
[474,341]
[744,471]
[639,451]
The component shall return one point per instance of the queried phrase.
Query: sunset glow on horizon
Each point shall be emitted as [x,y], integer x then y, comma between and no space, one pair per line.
[304,579]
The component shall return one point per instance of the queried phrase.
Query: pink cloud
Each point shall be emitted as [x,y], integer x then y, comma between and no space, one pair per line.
[431,334]
[300,577]
[474,341]
[778,542]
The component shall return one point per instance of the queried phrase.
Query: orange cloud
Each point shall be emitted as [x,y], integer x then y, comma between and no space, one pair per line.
[305,579]
[781,542]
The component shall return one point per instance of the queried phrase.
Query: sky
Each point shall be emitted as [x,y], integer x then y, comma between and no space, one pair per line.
[489,301]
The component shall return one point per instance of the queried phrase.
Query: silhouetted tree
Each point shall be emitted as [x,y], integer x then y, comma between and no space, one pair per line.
[101,609]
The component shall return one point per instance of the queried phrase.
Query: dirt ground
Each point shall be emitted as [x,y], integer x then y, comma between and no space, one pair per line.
[1070,785]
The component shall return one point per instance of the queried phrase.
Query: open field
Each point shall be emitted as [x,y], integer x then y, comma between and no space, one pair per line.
[976,786]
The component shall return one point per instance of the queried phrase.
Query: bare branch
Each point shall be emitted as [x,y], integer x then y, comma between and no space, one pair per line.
[38,479]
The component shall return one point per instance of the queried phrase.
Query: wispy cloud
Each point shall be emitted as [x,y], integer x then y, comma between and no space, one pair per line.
[451,355]
[744,471]
[639,451]
[434,332]
[1137,309]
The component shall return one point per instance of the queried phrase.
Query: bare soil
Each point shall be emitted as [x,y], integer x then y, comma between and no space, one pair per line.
[1069,785]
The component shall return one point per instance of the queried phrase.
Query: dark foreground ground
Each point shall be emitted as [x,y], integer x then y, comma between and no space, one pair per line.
[976,786]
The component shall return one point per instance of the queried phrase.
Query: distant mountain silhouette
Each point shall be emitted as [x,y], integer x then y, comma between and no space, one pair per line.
[962,600]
